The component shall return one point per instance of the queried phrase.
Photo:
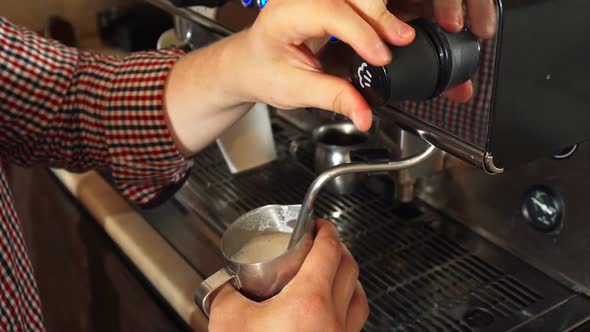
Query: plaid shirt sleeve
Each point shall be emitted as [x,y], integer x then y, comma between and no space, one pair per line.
[80,111]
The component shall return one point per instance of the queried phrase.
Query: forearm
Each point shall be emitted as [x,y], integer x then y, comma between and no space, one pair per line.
[215,102]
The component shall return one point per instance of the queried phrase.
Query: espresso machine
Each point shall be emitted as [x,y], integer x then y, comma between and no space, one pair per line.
[492,232]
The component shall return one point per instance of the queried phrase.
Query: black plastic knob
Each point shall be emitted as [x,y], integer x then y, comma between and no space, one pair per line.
[190,3]
[435,61]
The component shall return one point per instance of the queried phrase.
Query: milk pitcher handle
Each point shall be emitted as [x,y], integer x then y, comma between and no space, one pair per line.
[209,286]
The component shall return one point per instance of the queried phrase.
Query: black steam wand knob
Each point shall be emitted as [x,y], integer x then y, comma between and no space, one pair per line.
[435,61]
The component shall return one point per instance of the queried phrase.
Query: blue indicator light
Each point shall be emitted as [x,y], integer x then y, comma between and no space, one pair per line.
[333,39]
[262,3]
[247,3]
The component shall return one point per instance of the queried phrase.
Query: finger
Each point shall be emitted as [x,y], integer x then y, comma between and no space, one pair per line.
[345,283]
[483,17]
[323,259]
[357,33]
[317,44]
[225,301]
[332,18]
[333,94]
[358,311]
[409,10]
[449,14]
[461,93]
[303,57]
[384,22]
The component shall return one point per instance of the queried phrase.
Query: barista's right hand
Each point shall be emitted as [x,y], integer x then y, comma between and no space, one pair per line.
[325,295]
[273,62]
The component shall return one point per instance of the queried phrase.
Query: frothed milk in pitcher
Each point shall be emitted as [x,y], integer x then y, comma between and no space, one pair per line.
[256,251]
[262,248]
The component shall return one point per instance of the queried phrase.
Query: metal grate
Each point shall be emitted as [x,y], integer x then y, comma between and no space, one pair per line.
[416,277]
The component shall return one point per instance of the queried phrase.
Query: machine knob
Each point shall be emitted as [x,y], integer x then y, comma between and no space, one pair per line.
[435,61]
[206,3]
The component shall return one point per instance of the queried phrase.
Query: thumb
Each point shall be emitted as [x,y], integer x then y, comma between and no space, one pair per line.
[334,94]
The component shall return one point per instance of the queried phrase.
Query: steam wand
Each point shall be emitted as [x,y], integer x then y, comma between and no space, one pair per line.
[305,218]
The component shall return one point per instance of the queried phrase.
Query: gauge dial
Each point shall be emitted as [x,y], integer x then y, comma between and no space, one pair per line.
[543,209]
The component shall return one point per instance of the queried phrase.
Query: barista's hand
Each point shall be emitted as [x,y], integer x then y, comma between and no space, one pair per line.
[274,63]
[481,14]
[286,71]
[450,15]
[324,296]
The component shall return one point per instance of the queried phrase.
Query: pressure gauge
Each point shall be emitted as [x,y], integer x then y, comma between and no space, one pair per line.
[543,209]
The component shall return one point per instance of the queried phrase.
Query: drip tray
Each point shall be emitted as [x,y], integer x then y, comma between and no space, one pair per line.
[421,271]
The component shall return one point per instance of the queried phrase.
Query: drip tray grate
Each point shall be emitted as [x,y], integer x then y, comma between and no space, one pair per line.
[417,272]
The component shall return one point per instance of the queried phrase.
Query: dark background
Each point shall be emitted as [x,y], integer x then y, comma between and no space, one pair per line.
[86,283]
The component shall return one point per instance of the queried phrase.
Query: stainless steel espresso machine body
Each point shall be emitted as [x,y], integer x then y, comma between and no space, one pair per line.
[444,246]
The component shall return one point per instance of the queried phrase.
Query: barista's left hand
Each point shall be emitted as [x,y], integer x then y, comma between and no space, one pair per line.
[325,295]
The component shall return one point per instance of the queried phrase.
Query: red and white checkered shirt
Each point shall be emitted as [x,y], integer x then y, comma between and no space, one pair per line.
[76,110]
